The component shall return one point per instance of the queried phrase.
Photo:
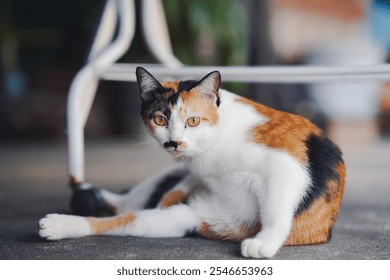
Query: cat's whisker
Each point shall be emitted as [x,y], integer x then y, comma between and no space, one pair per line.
[146,144]
[199,150]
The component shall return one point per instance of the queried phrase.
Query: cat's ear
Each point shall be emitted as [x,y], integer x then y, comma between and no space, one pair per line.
[209,85]
[148,85]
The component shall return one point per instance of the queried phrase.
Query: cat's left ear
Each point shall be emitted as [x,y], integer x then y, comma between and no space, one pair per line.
[148,85]
[209,85]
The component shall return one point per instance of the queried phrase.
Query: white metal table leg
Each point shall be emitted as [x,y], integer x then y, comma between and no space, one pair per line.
[83,88]
[156,33]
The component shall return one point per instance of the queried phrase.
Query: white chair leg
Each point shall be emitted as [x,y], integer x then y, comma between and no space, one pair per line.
[79,91]
[105,30]
[87,200]
[156,34]
[84,85]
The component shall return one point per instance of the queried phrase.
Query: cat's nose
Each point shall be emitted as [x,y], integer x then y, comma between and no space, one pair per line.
[171,144]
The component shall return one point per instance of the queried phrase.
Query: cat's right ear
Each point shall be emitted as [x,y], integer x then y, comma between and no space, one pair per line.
[147,84]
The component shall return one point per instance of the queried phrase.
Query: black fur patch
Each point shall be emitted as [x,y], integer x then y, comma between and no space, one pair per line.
[186,85]
[149,109]
[162,188]
[158,102]
[183,86]
[218,102]
[154,102]
[324,157]
[174,98]
[192,233]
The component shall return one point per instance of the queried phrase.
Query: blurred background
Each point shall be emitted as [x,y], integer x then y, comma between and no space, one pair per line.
[44,43]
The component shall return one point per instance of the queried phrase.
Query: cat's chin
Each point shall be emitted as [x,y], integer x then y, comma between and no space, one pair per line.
[180,154]
[175,153]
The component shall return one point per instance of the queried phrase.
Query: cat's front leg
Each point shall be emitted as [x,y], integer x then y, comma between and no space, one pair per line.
[287,181]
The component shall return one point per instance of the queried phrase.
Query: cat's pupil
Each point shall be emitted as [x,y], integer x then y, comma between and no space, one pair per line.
[160,120]
[194,121]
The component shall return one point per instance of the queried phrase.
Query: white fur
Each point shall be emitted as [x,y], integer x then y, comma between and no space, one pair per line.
[207,85]
[171,222]
[177,125]
[57,226]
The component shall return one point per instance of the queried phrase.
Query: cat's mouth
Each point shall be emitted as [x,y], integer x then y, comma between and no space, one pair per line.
[174,152]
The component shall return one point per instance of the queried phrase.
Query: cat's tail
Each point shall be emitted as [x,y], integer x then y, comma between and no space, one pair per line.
[147,194]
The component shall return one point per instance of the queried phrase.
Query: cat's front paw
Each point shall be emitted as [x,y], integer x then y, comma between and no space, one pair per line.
[56,227]
[256,248]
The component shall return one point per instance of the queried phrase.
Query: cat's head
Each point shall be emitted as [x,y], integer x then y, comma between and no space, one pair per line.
[181,116]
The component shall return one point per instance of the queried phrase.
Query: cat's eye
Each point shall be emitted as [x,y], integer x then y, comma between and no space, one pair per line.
[194,121]
[160,120]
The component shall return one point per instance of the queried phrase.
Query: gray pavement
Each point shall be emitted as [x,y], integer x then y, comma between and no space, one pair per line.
[33,183]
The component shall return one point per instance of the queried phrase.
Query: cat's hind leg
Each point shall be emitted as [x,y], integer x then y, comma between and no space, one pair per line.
[174,221]
[180,192]
[148,193]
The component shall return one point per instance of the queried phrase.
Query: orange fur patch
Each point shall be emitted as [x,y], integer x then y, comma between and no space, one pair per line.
[314,225]
[282,131]
[226,233]
[207,231]
[172,198]
[169,89]
[171,85]
[200,106]
[104,225]
[182,112]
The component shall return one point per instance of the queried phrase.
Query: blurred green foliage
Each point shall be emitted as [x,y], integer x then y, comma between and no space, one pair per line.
[220,21]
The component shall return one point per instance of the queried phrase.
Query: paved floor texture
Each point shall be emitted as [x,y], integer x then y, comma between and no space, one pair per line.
[33,183]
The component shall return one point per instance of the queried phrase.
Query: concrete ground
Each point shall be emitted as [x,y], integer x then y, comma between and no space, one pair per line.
[33,182]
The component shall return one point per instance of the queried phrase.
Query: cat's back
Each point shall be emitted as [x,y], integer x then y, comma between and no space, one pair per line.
[278,130]
[255,130]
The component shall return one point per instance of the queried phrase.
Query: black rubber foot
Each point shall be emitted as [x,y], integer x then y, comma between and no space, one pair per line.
[89,202]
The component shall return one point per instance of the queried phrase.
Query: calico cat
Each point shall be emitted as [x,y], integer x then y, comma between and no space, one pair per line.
[249,174]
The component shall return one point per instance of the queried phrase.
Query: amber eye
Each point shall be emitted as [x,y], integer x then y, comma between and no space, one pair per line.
[193,121]
[160,120]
